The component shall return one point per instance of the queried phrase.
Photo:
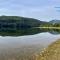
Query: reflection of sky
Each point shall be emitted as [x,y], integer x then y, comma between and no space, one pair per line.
[40,9]
[41,39]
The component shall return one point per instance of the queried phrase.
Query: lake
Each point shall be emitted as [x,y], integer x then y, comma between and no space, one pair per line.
[24,43]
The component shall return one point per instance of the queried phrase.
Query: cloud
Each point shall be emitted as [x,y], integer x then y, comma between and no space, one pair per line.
[39,9]
[57,7]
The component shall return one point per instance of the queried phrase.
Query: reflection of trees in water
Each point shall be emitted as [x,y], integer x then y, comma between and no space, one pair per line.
[54,31]
[19,32]
[26,31]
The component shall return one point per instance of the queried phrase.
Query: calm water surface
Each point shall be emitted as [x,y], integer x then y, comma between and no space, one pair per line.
[28,44]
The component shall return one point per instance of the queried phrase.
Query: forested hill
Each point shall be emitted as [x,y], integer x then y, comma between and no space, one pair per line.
[20,21]
[24,22]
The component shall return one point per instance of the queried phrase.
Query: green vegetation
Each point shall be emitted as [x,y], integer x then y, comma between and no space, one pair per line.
[18,22]
[30,31]
[50,25]
[17,26]
[23,22]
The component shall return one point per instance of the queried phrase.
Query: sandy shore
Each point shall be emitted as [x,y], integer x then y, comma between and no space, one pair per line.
[50,53]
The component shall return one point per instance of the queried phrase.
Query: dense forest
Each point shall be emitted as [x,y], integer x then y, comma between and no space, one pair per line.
[17,26]
[17,22]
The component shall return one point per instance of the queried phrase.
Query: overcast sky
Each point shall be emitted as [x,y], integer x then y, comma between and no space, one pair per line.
[44,10]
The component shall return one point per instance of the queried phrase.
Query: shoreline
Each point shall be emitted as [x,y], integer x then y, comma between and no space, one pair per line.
[52,52]
[49,27]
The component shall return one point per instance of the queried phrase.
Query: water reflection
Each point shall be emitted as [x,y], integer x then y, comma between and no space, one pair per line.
[27,31]
[23,47]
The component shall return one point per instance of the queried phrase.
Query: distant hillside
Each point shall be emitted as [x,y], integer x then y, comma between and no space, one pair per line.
[24,22]
[52,23]
[20,22]
[55,21]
